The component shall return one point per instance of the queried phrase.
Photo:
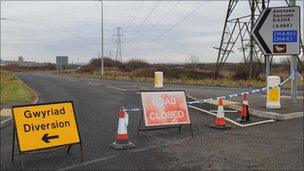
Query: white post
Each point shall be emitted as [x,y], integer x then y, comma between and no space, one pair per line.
[158,79]
[273,95]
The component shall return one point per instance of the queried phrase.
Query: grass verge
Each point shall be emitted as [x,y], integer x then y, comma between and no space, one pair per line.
[13,90]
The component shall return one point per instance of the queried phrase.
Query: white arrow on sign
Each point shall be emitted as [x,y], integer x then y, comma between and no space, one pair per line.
[277,31]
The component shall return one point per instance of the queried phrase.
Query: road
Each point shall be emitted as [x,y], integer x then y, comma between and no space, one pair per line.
[278,145]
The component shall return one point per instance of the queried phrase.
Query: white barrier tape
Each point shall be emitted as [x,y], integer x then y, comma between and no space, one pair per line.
[133,110]
[285,80]
[300,76]
[294,73]
[250,92]
[297,73]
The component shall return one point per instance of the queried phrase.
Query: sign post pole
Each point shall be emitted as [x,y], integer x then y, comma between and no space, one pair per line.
[293,86]
[267,63]
[293,66]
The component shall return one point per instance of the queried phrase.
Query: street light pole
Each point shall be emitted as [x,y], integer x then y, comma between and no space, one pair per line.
[102,54]
[0,30]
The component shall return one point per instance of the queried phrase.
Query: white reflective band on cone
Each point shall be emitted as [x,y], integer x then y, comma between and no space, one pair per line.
[126,119]
[245,102]
[121,126]
[220,112]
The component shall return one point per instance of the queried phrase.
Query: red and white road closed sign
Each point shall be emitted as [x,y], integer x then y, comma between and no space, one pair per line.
[165,108]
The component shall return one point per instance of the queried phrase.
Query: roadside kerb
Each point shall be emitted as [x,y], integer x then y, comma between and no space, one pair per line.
[8,121]
[271,115]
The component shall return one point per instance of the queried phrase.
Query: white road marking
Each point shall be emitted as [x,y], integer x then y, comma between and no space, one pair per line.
[73,80]
[232,111]
[232,121]
[6,120]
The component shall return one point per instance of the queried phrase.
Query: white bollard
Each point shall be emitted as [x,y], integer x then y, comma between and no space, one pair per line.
[273,95]
[158,79]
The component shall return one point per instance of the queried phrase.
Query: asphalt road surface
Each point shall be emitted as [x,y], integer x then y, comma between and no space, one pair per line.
[277,145]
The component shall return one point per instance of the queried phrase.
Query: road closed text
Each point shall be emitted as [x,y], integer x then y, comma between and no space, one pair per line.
[167,115]
[165,108]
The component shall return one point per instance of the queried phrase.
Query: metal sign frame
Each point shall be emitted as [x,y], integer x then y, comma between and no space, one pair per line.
[15,133]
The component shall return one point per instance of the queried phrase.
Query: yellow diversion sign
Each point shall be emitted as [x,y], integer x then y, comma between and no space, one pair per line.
[48,125]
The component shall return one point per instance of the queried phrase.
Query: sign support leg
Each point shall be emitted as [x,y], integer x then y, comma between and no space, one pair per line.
[13,144]
[141,118]
[69,148]
[191,130]
[180,128]
[191,126]
[81,152]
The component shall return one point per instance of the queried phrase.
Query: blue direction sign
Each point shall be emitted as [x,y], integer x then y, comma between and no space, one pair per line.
[277,31]
[285,36]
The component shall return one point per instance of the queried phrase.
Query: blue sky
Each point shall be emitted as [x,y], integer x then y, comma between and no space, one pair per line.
[39,31]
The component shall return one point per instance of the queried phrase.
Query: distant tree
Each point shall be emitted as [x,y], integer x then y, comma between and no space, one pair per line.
[134,64]
[285,61]
[193,61]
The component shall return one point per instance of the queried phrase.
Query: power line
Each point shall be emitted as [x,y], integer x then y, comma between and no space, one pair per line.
[162,18]
[134,16]
[130,12]
[176,24]
[144,21]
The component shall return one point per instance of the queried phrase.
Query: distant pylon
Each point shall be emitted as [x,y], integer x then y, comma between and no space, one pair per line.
[118,34]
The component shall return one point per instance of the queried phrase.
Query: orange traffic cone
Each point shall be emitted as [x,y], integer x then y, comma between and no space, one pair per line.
[122,138]
[220,122]
[245,117]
